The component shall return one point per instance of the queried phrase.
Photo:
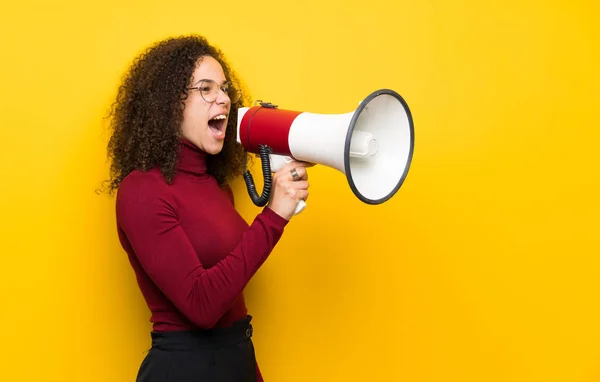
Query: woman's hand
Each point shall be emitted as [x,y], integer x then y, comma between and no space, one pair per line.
[290,185]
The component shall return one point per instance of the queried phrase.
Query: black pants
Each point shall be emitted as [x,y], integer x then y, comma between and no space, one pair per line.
[216,355]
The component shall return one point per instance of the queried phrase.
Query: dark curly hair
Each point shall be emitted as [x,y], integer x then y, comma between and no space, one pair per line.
[146,116]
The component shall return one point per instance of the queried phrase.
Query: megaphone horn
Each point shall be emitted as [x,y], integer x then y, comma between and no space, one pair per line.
[373,145]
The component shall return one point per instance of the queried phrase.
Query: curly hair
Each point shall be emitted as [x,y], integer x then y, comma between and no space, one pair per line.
[146,115]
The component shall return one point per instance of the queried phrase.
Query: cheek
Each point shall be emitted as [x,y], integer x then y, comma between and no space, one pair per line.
[195,115]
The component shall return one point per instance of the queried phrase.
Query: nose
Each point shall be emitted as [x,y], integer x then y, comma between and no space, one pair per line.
[222,97]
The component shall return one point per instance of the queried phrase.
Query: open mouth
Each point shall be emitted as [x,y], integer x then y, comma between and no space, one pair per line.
[217,125]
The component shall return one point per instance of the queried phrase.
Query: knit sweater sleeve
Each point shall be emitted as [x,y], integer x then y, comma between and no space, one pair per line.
[147,217]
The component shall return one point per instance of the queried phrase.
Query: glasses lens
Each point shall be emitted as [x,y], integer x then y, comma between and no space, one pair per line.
[208,89]
[233,93]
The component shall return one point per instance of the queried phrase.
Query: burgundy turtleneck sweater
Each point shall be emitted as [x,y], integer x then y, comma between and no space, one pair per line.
[191,251]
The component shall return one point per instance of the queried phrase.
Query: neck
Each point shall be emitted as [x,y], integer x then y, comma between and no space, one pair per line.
[191,159]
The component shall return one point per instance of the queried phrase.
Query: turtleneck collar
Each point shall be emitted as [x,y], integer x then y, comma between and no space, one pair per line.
[191,159]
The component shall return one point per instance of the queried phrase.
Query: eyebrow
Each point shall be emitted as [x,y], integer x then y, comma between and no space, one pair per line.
[208,79]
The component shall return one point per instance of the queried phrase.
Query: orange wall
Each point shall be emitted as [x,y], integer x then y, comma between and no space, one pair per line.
[484,267]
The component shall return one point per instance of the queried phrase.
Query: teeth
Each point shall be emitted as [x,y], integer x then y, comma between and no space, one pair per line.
[218,117]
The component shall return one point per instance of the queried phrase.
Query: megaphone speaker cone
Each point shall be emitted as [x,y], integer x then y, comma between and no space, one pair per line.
[384,121]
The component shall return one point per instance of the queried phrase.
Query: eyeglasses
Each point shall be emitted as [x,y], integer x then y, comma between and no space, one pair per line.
[209,90]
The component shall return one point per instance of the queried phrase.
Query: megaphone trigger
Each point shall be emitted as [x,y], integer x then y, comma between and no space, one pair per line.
[278,161]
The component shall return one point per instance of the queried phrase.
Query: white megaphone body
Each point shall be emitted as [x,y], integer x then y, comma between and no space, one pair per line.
[373,145]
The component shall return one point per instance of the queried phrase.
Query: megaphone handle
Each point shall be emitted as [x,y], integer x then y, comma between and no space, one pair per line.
[300,207]
[277,162]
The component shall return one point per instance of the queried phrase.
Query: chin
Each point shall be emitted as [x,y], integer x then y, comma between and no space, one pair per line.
[214,149]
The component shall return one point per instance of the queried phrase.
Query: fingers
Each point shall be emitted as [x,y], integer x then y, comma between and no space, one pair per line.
[300,185]
[297,190]
[300,171]
[297,194]
[300,168]
[302,195]
[292,188]
[284,180]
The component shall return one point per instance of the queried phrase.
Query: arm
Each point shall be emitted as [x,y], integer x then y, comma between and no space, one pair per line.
[203,295]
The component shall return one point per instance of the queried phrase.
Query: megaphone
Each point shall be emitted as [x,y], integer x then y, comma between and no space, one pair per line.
[373,145]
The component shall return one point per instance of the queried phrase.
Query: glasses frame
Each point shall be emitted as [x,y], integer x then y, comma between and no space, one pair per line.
[227,84]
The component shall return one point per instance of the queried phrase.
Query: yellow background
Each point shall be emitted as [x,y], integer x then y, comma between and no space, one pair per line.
[484,267]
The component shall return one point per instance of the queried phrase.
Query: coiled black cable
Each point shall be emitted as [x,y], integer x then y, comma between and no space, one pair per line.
[263,199]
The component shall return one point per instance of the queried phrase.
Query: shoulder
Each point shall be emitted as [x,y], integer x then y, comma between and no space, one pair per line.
[138,181]
[142,191]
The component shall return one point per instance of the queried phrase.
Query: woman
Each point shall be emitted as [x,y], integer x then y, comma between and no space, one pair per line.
[173,149]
